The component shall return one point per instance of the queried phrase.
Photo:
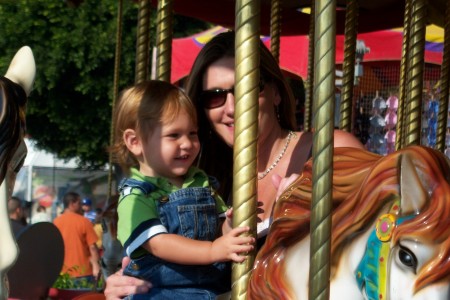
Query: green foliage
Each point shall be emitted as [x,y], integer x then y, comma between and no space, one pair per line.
[69,110]
[64,281]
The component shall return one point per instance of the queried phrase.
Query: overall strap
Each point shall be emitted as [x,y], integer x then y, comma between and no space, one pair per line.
[128,184]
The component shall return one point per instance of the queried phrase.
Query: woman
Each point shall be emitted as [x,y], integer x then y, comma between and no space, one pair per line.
[210,86]
[282,152]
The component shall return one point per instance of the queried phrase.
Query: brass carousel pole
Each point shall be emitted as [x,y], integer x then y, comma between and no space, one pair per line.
[164,39]
[400,129]
[416,47]
[116,90]
[323,109]
[444,86]
[310,82]
[275,29]
[245,133]
[351,30]
[143,41]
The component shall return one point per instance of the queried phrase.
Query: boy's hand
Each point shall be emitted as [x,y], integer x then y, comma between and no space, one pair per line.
[227,226]
[230,245]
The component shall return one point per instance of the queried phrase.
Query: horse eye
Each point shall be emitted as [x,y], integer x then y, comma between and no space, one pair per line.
[407,258]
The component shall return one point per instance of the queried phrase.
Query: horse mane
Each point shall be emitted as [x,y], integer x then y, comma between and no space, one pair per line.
[363,183]
[12,121]
[291,219]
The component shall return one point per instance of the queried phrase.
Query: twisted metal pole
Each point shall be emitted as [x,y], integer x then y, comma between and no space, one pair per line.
[310,82]
[351,26]
[323,107]
[444,86]
[164,34]
[245,133]
[413,117]
[115,90]
[143,41]
[275,29]
[404,67]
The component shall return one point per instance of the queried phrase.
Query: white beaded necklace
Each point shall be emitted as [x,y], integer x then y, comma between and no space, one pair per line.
[277,160]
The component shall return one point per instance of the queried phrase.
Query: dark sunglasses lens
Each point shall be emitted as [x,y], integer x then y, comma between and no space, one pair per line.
[213,99]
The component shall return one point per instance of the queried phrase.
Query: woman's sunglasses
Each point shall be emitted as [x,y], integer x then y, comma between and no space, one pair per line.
[216,97]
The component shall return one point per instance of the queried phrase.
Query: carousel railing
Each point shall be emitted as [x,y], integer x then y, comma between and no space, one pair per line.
[444,86]
[245,133]
[414,96]
[164,25]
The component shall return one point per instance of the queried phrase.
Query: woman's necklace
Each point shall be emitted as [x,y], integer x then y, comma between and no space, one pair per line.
[277,160]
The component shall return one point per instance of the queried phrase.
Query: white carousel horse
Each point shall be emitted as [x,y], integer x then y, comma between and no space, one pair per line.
[15,86]
[390,230]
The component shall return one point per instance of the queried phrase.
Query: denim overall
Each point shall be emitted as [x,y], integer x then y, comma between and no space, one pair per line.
[190,212]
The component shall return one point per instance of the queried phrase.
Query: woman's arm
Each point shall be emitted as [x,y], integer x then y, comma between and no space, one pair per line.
[346,139]
[181,250]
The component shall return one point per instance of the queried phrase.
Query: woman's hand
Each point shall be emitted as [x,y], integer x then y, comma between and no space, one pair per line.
[119,285]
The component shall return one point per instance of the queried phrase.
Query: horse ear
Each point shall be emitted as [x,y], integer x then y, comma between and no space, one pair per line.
[22,69]
[413,194]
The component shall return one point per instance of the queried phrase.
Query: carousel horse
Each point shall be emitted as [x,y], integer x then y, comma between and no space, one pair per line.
[15,86]
[390,234]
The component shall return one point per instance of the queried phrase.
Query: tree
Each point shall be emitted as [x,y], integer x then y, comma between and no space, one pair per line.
[69,110]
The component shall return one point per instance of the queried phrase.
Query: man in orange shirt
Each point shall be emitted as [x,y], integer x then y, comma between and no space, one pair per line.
[81,258]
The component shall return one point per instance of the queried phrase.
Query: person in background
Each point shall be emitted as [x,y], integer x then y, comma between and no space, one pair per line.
[40,215]
[81,257]
[16,215]
[86,205]
[98,228]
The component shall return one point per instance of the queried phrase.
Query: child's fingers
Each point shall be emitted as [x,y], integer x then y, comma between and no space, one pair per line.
[238,258]
[244,248]
[238,230]
[245,240]
[229,213]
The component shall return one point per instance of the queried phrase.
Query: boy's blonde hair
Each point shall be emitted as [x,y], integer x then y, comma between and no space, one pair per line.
[142,107]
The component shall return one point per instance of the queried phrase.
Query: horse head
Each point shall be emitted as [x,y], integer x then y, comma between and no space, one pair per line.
[15,86]
[390,230]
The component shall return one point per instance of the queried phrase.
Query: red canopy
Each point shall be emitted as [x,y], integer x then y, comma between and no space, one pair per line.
[385,45]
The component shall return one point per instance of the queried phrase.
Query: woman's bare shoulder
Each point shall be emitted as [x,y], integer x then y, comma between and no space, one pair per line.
[304,140]
[346,139]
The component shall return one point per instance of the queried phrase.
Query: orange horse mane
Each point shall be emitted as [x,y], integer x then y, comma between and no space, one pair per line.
[363,183]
